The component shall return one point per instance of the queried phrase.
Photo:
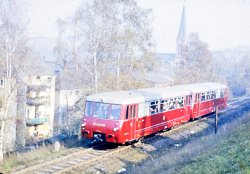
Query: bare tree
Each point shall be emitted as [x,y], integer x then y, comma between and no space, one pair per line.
[12,49]
[112,39]
[198,64]
[233,65]
[109,44]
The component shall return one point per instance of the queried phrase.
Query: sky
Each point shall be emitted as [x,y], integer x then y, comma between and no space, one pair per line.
[221,23]
[44,13]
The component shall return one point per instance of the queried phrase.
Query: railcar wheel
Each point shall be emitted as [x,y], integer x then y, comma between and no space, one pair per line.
[141,139]
[192,119]
[128,143]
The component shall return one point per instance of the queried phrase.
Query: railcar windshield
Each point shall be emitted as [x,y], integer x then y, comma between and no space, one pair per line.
[115,112]
[103,110]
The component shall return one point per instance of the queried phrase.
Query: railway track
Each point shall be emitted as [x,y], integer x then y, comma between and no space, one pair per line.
[87,157]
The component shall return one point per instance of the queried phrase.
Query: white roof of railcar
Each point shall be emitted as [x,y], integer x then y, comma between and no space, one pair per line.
[149,94]
[202,87]
[161,93]
[117,97]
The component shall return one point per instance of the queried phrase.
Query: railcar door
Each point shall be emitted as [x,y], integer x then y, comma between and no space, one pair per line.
[133,116]
[196,109]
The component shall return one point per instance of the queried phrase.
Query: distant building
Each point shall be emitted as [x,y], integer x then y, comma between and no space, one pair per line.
[66,99]
[68,91]
[40,105]
[159,79]
[39,101]
[164,76]
[166,60]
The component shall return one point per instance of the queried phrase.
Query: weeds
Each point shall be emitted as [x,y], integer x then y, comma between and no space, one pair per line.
[20,160]
[226,152]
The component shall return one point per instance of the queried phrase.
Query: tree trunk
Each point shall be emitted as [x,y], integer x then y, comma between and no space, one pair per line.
[95,61]
[118,77]
[2,140]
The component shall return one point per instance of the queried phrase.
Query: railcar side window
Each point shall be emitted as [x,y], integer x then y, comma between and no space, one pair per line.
[143,109]
[147,108]
[197,98]
[127,112]
[221,93]
[208,96]
[132,111]
[203,97]
[89,109]
[163,105]
[213,96]
[115,112]
[218,94]
[172,104]
[154,107]
[180,102]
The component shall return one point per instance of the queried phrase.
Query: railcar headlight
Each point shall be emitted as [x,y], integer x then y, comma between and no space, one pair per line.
[83,124]
[115,129]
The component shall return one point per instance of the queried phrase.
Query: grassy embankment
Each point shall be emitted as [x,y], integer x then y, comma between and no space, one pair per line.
[29,158]
[37,156]
[231,155]
[226,152]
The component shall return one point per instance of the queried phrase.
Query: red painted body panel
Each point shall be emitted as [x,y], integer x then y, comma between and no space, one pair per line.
[135,127]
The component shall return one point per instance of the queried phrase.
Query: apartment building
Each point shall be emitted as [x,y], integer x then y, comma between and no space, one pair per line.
[40,103]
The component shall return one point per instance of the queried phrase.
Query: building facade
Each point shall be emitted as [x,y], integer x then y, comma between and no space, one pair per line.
[40,104]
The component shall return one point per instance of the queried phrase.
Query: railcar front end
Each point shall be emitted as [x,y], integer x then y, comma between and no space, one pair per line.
[102,122]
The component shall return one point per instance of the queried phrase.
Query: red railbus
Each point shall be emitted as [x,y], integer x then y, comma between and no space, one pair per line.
[124,116]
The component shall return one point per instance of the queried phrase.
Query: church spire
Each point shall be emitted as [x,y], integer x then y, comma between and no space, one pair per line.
[182,30]
[181,45]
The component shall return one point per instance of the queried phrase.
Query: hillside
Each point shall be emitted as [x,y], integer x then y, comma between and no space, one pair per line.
[226,152]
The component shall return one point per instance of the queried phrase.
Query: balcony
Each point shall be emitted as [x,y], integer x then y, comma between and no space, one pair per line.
[37,88]
[37,101]
[36,121]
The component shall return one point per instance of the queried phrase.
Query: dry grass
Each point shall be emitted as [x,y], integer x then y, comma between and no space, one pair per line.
[20,160]
[42,154]
[226,152]
[230,156]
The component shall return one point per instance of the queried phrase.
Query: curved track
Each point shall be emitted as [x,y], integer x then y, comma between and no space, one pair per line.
[86,157]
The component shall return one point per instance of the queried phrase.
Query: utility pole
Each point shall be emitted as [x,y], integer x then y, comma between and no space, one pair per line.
[216,120]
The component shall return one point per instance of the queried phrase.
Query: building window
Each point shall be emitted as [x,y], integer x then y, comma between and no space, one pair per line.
[1,103]
[77,92]
[28,113]
[2,82]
